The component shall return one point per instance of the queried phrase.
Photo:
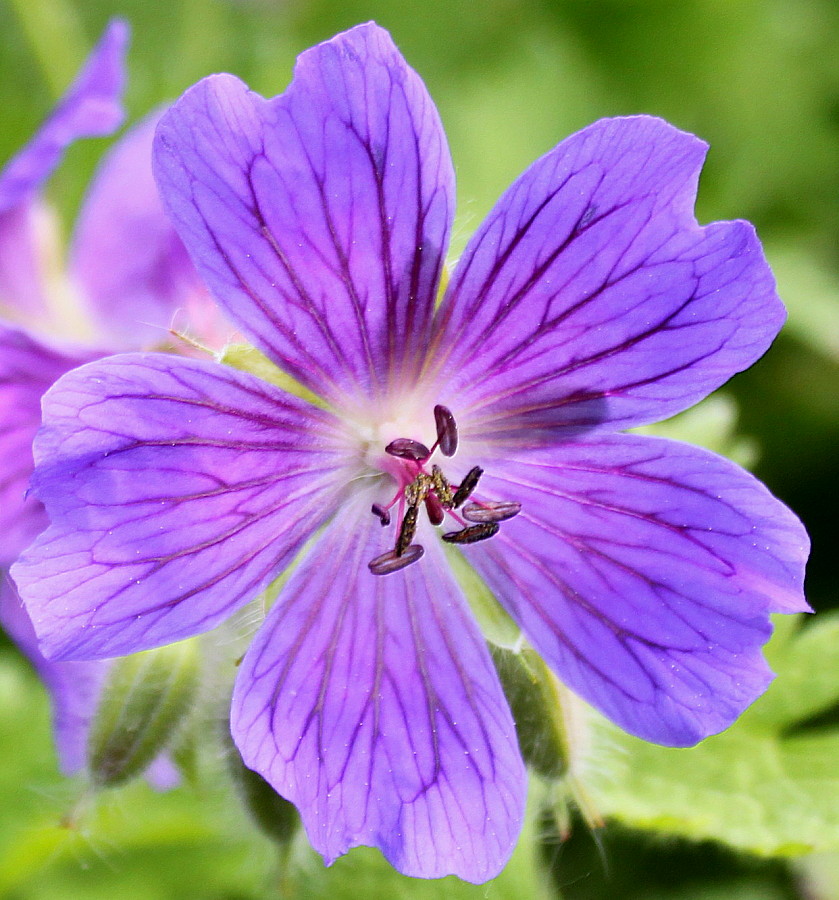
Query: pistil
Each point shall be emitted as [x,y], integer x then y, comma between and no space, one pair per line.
[438,495]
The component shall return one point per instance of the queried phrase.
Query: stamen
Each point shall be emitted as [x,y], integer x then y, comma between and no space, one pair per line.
[407,531]
[415,492]
[391,562]
[446,430]
[381,512]
[491,512]
[472,534]
[441,486]
[435,510]
[406,448]
[469,483]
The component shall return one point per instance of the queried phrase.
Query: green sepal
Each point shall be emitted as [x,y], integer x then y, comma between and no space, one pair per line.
[144,700]
[271,813]
[497,626]
[529,688]
[248,359]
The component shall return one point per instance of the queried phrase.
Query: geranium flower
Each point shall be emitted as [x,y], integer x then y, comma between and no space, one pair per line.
[127,274]
[589,301]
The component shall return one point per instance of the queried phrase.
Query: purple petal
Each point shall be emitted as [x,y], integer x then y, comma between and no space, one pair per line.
[372,704]
[126,256]
[90,108]
[25,230]
[320,218]
[591,297]
[644,571]
[27,369]
[74,687]
[177,489]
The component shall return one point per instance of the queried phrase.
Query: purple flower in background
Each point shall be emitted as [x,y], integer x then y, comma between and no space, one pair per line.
[589,301]
[127,274]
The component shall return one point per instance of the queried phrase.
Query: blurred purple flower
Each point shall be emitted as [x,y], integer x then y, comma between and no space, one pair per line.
[589,301]
[128,272]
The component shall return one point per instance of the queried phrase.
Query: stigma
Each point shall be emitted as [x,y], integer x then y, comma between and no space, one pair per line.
[421,488]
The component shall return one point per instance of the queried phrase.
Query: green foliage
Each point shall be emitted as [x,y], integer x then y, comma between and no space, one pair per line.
[759,80]
[768,785]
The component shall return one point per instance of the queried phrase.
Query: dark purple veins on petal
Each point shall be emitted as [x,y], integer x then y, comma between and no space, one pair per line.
[371,703]
[591,298]
[176,489]
[320,218]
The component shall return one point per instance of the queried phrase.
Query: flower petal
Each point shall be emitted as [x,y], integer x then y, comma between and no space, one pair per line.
[590,296]
[90,108]
[643,571]
[75,689]
[126,256]
[176,489]
[26,231]
[73,686]
[372,704]
[319,219]
[27,369]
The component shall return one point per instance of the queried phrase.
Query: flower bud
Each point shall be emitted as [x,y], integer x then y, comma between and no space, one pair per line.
[531,689]
[143,702]
[271,813]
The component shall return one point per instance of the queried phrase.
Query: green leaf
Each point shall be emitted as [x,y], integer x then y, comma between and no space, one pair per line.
[768,785]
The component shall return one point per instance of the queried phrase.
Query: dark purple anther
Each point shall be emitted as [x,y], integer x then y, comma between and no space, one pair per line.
[407,531]
[390,562]
[469,483]
[405,448]
[472,534]
[446,430]
[381,512]
[491,512]
[435,510]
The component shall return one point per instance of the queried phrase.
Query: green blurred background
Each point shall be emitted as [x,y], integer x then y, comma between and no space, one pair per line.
[757,79]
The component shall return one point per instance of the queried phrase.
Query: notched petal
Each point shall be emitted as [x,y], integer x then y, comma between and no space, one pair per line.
[319,219]
[644,572]
[591,298]
[372,704]
[91,107]
[176,490]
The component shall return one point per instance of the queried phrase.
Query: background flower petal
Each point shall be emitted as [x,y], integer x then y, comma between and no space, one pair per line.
[643,571]
[132,267]
[91,107]
[176,490]
[27,368]
[591,297]
[25,232]
[372,704]
[73,686]
[319,219]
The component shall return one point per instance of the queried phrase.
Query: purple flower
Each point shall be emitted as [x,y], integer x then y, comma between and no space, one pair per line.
[589,301]
[127,274]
